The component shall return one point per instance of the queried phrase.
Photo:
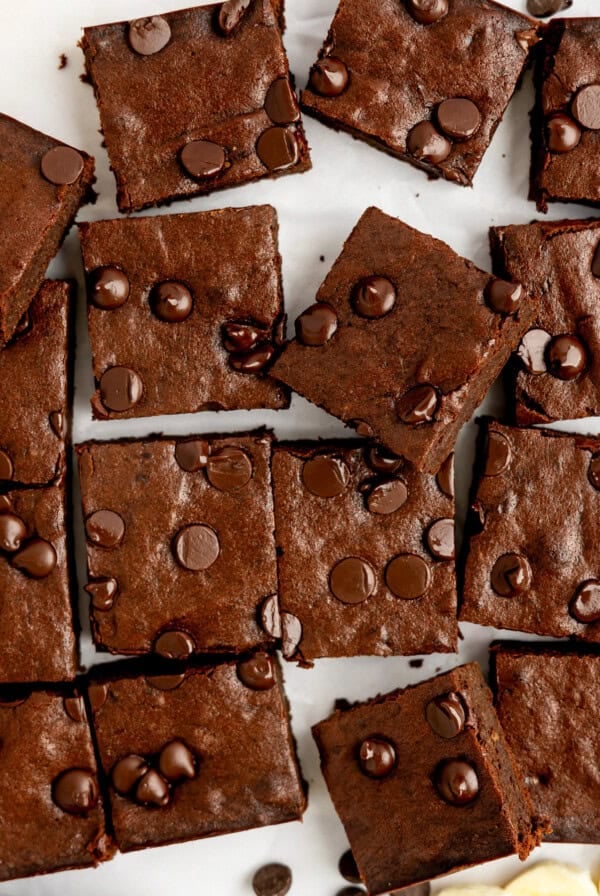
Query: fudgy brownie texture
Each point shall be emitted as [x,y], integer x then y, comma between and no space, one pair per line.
[185,312]
[433,754]
[37,631]
[365,549]
[180,543]
[425,81]
[194,101]
[546,698]
[44,183]
[203,752]
[50,802]
[532,562]
[565,122]
[35,407]
[556,369]
[405,339]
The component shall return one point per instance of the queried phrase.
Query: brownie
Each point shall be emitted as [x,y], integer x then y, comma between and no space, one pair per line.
[546,698]
[556,368]
[432,758]
[44,183]
[195,101]
[565,122]
[532,563]
[35,407]
[185,312]
[405,339]
[50,799]
[427,81]
[206,751]
[365,548]
[180,543]
[37,630]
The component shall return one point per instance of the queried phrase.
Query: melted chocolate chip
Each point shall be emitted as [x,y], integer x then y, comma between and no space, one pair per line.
[281,104]
[171,301]
[408,576]
[426,144]
[76,791]
[329,76]
[419,405]
[445,476]
[152,790]
[459,118]
[362,428]
[291,634]
[241,337]
[58,424]
[149,35]
[165,682]
[316,325]
[562,133]
[594,471]
[36,559]
[352,580]
[585,604]
[257,672]
[103,593]
[272,880]
[75,708]
[374,297]
[105,528]
[231,14]
[498,454]
[196,547]
[174,645]
[440,539]
[270,618]
[381,461]
[456,782]
[177,762]
[253,361]
[108,288]
[504,297]
[229,469]
[566,357]
[377,757]
[387,497]
[586,107]
[127,772]
[202,159]
[325,477]
[532,351]
[277,148]
[97,695]
[446,715]
[12,532]
[511,575]
[347,867]
[120,388]
[427,12]
[192,454]
[62,165]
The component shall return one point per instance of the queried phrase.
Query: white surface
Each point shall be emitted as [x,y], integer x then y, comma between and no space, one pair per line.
[316,212]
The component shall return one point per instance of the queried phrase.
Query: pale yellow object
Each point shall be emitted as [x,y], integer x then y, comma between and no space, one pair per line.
[552,879]
[471,890]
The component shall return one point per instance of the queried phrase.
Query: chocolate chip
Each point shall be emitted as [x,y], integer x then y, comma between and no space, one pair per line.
[105,528]
[387,497]
[196,547]
[408,576]
[291,634]
[120,388]
[174,645]
[58,424]
[377,757]
[253,361]
[498,454]
[459,118]
[347,867]
[257,672]
[62,165]
[440,539]
[277,148]
[316,325]
[165,682]
[177,762]
[563,135]
[446,715]
[362,428]
[566,357]
[76,791]
[511,575]
[241,337]
[36,559]
[352,580]
[596,261]
[281,104]
[445,476]
[350,891]
[504,297]
[374,297]
[127,772]
[456,782]
[149,35]
[426,12]
[586,107]
[12,532]
[108,288]
[426,144]
[270,618]
[418,405]
[192,454]
[272,880]
[382,461]
[329,76]
[152,790]
[532,351]
[229,469]
[75,708]
[585,604]
[171,301]
[97,695]
[6,465]
[231,14]
[542,8]
[325,477]
[103,593]
[202,159]
[594,471]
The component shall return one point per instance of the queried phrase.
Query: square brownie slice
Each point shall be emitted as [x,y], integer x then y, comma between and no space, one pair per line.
[405,339]
[180,543]
[432,757]
[565,122]
[35,407]
[50,799]
[44,183]
[556,369]
[37,625]
[203,752]
[365,548]
[425,81]
[532,563]
[546,699]
[194,101]
[184,312]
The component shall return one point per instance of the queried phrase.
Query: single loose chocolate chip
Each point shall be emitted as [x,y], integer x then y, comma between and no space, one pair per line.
[440,539]
[408,576]
[240,337]
[76,791]
[504,297]
[174,645]
[272,880]
[316,325]
[387,497]
[418,405]
[177,762]
[152,790]
[352,580]
[585,604]
[231,14]
[446,715]
[149,35]
[103,593]
[58,424]
[596,261]
[12,532]
[542,8]
[498,454]
[171,301]
[325,477]
[586,107]
[257,672]
[374,297]
[426,12]
[165,682]
[127,772]
[426,144]
[532,351]
[105,528]
[291,634]
[196,547]
[253,361]
[566,357]
[511,575]
[229,469]
[277,148]
[563,134]
[97,695]
[281,104]
[347,867]
[270,618]
[108,288]
[192,454]
[120,388]
[62,165]
[75,708]
[445,476]
[456,782]
[37,558]
[381,461]
[459,118]
[202,159]
[6,465]
[594,471]
[377,757]
[329,76]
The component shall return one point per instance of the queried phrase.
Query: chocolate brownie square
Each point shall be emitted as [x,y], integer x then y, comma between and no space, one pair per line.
[44,183]
[429,758]
[405,339]
[532,562]
[203,752]
[50,798]
[184,312]
[427,81]
[556,368]
[194,101]
[180,543]
[365,549]
[546,699]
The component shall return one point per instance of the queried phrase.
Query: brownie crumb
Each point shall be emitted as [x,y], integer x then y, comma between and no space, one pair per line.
[416,663]
[62,61]
[321,258]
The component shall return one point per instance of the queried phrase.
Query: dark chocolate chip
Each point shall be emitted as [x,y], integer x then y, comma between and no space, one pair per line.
[277,148]
[291,634]
[37,558]
[511,575]
[585,604]
[177,762]
[419,405]
[192,454]
[459,118]
[165,682]
[408,576]
[426,144]
[196,547]
[127,772]
[97,695]
[174,645]
[75,708]
[109,288]
[253,361]
[594,471]
[120,388]
[542,8]
[103,593]
[563,134]
[58,424]
[440,539]
[270,618]
[149,35]
[374,297]
[347,867]
[12,532]
[272,880]
[532,351]
[387,497]
[241,337]
[6,465]
[231,14]
[504,297]
[316,325]
[324,476]
[456,782]
[105,528]
[566,357]
[427,12]
[350,891]
[152,790]
[377,757]
[446,715]
[257,672]
[352,580]
[586,107]
[171,301]
[281,104]
[382,461]
[498,454]
[229,469]
[76,791]
[62,165]
[445,476]
[202,159]
[329,76]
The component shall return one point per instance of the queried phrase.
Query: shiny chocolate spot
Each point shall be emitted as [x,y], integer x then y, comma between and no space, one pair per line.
[348,869]
[445,476]
[498,454]
[174,645]
[202,159]
[440,539]
[6,465]
[374,297]
[192,454]
[427,12]
[241,337]
[381,461]
[586,107]
[387,497]
[12,532]
[127,772]
[257,672]
[329,76]
[37,558]
[325,476]
[562,133]
[532,351]
[504,297]
[511,575]
[97,695]
[120,388]
[270,618]
[171,301]
[419,405]
[272,880]
[231,14]
[108,288]
[149,35]
[446,715]
[152,790]
[377,757]
[362,428]
[594,471]
[316,325]
[229,469]
[277,148]
[456,782]
[408,576]
[76,791]
[566,357]
[58,424]
[62,165]
[427,145]
[103,593]
[253,361]
[291,634]
[352,580]
[177,762]
[459,118]
[585,604]
[105,528]
[281,104]
[196,547]
[165,682]
[75,708]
